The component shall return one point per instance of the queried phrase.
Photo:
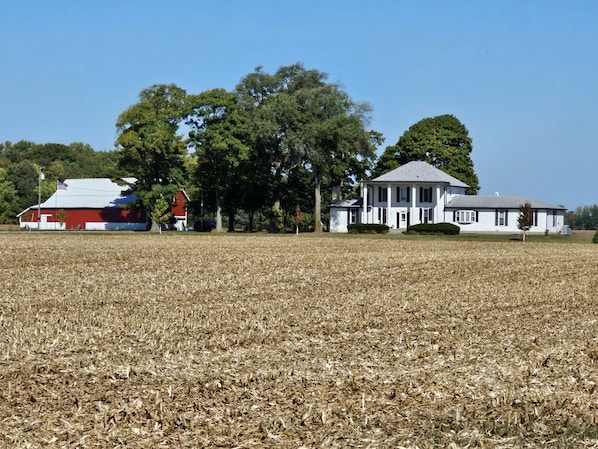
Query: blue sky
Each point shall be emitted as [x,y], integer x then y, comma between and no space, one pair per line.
[522,76]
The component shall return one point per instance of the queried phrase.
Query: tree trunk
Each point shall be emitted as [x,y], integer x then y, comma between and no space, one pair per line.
[231,220]
[218,214]
[317,204]
[251,212]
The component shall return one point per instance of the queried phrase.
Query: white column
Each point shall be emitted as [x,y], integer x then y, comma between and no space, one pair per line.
[413,203]
[388,198]
[364,195]
[436,217]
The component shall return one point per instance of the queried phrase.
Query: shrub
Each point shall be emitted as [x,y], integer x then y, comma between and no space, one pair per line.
[595,238]
[435,228]
[367,228]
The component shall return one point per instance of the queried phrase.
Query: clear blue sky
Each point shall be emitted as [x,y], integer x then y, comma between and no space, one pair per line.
[521,75]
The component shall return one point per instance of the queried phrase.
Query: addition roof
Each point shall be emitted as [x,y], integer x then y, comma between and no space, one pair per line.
[420,172]
[497,202]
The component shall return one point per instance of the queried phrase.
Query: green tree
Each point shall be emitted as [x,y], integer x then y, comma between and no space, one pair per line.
[526,218]
[24,176]
[584,217]
[222,139]
[335,140]
[161,213]
[9,207]
[276,117]
[300,120]
[150,147]
[441,141]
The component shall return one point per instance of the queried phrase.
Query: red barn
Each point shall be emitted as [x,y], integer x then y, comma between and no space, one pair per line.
[95,204]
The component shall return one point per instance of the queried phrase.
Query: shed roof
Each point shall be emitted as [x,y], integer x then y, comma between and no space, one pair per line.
[421,172]
[91,193]
[497,202]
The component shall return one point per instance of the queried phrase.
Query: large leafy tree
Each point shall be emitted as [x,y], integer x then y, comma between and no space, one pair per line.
[9,206]
[24,177]
[335,141]
[222,139]
[442,141]
[277,119]
[149,143]
[301,120]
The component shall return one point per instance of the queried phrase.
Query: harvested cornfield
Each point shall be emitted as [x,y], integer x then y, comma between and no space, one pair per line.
[187,340]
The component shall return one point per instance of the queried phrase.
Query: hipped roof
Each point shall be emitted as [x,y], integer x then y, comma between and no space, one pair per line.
[420,172]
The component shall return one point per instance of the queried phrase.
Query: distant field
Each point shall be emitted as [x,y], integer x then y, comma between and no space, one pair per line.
[188,340]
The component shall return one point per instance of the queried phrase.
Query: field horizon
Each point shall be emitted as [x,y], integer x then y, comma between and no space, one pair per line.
[184,341]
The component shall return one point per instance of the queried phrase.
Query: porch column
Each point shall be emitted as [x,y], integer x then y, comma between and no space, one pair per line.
[436,217]
[413,203]
[388,197]
[364,208]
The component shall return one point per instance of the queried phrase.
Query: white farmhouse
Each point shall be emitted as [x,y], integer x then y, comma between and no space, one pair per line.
[417,192]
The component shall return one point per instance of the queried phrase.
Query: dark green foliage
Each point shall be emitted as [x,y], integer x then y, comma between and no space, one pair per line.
[584,217]
[434,228]
[441,141]
[150,148]
[595,238]
[23,159]
[300,120]
[367,228]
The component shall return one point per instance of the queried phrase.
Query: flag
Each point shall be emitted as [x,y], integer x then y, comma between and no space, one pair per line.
[61,185]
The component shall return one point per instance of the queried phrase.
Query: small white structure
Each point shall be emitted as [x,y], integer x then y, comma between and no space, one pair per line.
[417,193]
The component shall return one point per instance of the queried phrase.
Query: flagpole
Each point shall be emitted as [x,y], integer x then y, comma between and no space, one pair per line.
[56,207]
[39,196]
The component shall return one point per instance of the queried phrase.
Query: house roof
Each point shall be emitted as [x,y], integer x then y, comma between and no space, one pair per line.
[419,171]
[90,193]
[350,203]
[497,202]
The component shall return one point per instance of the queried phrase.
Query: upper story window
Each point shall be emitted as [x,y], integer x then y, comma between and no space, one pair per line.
[404,194]
[382,194]
[425,194]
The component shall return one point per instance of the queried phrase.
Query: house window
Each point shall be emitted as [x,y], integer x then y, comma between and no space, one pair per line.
[352,216]
[404,194]
[501,218]
[466,216]
[535,218]
[382,194]
[425,194]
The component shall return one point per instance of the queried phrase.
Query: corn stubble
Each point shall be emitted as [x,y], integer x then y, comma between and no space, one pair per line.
[185,341]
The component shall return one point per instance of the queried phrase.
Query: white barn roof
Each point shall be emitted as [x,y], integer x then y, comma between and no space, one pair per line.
[421,172]
[90,193]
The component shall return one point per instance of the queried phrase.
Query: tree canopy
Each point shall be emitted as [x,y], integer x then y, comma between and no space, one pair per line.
[300,120]
[442,141]
[150,147]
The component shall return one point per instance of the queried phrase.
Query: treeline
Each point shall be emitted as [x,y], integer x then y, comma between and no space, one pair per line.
[583,218]
[270,154]
[20,165]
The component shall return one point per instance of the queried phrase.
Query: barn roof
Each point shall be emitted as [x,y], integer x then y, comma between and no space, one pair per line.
[90,193]
[421,172]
